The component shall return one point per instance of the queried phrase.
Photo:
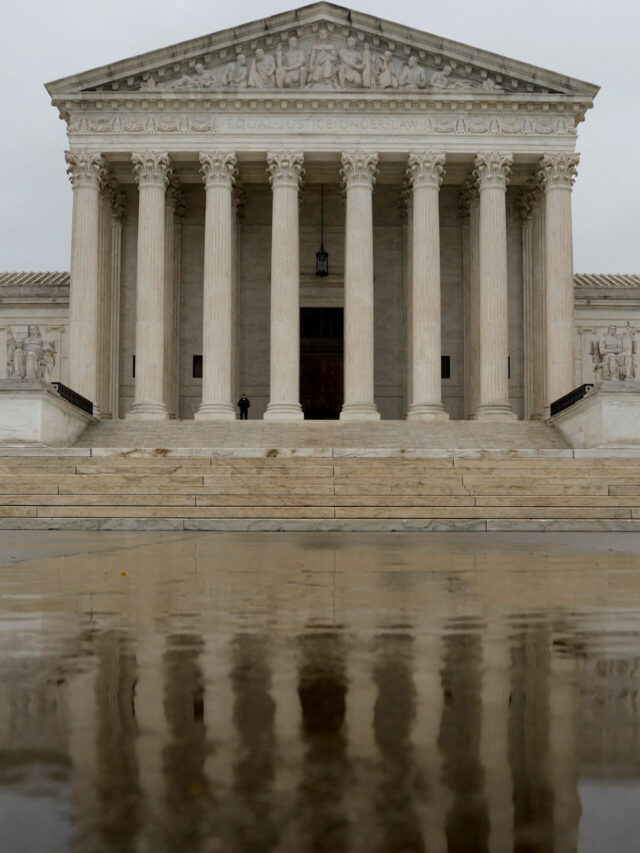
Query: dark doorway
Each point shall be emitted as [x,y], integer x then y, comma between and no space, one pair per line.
[321,379]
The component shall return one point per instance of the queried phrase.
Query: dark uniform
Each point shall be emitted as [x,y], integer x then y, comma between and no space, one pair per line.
[243,405]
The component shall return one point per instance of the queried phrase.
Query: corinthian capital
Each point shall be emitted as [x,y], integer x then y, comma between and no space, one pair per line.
[425,169]
[359,169]
[468,194]
[115,196]
[175,197]
[530,197]
[151,168]
[285,168]
[493,169]
[218,168]
[85,168]
[558,171]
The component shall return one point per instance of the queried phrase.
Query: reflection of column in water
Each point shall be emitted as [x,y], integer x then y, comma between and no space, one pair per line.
[494,741]
[119,799]
[188,800]
[398,823]
[529,739]
[218,715]
[322,690]
[434,802]
[83,744]
[288,730]
[563,750]
[467,822]
[253,815]
[153,732]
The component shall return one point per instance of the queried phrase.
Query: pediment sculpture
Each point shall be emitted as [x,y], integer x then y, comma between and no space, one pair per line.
[614,354]
[31,358]
[322,64]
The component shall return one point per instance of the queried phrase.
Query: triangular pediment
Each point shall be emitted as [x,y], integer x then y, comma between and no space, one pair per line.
[323,48]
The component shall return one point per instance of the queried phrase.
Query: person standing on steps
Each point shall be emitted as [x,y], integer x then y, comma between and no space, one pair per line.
[243,405]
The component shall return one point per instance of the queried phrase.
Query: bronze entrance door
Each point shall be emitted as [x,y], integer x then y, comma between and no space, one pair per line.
[321,365]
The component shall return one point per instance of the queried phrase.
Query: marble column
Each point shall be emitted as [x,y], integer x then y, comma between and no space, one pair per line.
[425,171]
[526,221]
[558,172]
[358,172]
[86,170]
[285,173]
[469,210]
[534,321]
[152,173]
[173,213]
[118,207]
[538,308]
[492,170]
[406,213]
[218,168]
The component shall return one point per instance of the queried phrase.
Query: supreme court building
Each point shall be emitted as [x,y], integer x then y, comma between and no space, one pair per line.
[211,177]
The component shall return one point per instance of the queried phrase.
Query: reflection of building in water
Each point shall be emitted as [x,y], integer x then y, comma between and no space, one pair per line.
[465,737]
[322,689]
[117,788]
[529,727]
[400,786]
[467,822]
[253,823]
[186,785]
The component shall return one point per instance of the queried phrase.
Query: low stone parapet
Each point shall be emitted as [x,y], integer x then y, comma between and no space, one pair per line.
[607,416]
[33,413]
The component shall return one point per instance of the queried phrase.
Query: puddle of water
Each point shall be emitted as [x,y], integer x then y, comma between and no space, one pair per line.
[321,693]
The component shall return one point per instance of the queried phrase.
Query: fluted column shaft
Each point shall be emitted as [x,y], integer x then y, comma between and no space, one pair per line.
[218,168]
[358,172]
[493,404]
[152,174]
[474,306]
[558,173]
[86,170]
[425,173]
[538,311]
[285,173]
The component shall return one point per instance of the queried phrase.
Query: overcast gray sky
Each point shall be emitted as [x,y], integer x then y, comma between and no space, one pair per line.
[593,40]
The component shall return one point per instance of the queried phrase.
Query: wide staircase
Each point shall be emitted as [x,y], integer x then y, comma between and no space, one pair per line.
[321,488]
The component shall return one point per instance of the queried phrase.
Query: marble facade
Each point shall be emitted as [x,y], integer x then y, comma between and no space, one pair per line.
[446,174]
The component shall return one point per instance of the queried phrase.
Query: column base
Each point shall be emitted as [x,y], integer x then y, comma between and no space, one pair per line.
[359,412]
[495,412]
[284,412]
[215,412]
[148,412]
[427,412]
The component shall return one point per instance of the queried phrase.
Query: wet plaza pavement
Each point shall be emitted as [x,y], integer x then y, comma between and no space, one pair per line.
[319,693]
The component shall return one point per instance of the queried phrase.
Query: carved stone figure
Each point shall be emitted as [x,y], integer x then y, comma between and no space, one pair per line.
[443,80]
[236,74]
[262,74]
[413,75]
[205,79]
[386,79]
[354,70]
[489,85]
[322,62]
[33,358]
[186,81]
[291,66]
[614,355]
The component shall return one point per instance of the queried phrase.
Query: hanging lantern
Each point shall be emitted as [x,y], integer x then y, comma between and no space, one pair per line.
[322,257]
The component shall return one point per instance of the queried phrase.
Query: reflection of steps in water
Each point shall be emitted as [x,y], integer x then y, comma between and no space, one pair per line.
[544,491]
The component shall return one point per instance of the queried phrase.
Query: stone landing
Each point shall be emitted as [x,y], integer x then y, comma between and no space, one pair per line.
[372,438]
